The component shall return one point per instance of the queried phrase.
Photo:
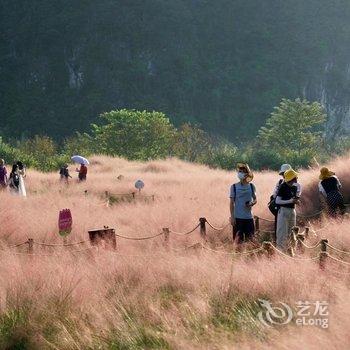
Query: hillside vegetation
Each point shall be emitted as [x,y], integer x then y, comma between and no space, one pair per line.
[147,296]
[223,64]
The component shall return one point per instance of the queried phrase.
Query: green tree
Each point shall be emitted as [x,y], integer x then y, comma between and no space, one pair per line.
[293,130]
[191,143]
[134,134]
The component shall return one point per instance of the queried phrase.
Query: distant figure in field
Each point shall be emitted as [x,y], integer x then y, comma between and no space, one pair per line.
[82,172]
[3,175]
[21,170]
[329,187]
[242,199]
[288,196]
[13,181]
[64,173]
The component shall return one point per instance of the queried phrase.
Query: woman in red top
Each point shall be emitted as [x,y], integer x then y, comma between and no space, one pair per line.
[82,172]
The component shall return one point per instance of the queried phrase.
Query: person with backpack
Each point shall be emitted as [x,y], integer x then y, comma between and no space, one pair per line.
[242,199]
[329,187]
[288,196]
[273,207]
[14,180]
[64,173]
[3,175]
[82,172]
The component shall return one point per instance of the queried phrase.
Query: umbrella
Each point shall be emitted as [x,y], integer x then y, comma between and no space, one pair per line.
[80,160]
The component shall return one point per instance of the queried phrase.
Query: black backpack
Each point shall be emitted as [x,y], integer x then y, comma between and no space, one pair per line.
[273,207]
[15,180]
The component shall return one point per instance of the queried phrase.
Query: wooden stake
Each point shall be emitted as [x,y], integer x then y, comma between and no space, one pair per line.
[203,229]
[323,254]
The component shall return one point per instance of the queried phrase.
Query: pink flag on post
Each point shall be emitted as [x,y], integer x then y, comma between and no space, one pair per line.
[65,222]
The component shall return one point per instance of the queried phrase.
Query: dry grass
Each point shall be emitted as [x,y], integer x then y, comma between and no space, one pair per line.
[147,297]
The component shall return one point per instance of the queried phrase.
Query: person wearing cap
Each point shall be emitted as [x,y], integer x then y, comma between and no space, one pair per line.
[329,187]
[3,175]
[242,199]
[288,196]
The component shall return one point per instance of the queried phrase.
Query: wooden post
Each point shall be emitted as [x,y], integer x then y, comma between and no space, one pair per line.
[30,245]
[203,229]
[257,223]
[323,253]
[166,233]
[293,240]
[268,249]
[307,231]
[300,238]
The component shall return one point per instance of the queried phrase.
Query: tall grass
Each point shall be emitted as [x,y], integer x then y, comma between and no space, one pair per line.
[148,297]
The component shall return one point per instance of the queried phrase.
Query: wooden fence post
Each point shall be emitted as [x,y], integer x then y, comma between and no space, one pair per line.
[257,223]
[268,249]
[203,229]
[323,253]
[30,245]
[166,233]
[300,239]
[293,240]
[307,232]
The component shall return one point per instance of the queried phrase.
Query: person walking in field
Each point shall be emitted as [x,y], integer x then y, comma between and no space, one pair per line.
[64,173]
[82,172]
[329,187]
[288,196]
[242,199]
[3,175]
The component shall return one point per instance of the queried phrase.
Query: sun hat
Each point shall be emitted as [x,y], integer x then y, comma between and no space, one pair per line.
[290,175]
[284,168]
[325,173]
[245,167]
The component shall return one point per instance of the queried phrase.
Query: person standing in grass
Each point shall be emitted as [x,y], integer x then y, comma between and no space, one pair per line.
[82,172]
[272,204]
[21,170]
[64,173]
[288,196]
[13,181]
[3,175]
[242,199]
[329,187]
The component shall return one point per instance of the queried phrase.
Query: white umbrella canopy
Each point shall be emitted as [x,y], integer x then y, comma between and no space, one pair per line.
[80,160]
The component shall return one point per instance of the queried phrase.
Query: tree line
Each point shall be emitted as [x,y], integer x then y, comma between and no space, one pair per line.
[293,133]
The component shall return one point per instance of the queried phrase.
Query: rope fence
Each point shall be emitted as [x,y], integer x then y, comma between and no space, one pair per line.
[297,244]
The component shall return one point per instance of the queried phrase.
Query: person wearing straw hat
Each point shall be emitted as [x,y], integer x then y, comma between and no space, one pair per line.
[242,199]
[329,187]
[287,197]
[273,207]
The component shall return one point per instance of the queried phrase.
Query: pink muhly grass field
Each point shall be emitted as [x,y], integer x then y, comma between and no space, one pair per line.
[145,296]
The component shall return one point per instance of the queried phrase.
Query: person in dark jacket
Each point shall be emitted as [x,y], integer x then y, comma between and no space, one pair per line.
[329,187]
[64,173]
